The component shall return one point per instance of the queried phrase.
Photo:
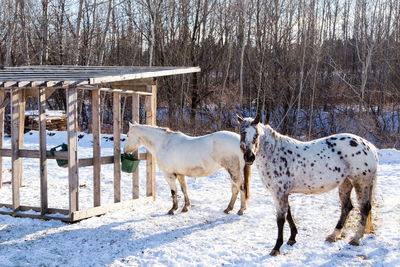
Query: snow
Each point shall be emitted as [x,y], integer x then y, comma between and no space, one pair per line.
[144,235]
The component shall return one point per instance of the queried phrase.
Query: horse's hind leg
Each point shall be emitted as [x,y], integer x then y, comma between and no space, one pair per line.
[363,192]
[182,181]
[293,229]
[346,206]
[171,179]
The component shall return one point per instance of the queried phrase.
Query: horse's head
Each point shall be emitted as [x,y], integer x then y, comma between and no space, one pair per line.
[132,143]
[249,138]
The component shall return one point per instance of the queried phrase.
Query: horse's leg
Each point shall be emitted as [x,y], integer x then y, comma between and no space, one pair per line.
[235,191]
[171,179]
[346,206]
[243,194]
[182,181]
[235,187]
[281,204]
[364,201]
[293,229]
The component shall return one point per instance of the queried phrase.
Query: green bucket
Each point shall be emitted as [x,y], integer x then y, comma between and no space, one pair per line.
[129,163]
[60,162]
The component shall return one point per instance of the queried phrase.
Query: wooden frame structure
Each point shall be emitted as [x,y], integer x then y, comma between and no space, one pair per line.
[20,81]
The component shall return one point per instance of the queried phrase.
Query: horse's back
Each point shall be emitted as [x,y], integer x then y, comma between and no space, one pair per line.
[360,155]
[198,156]
[320,165]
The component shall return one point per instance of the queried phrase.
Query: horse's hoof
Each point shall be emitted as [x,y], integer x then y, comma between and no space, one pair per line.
[185,209]
[330,239]
[171,212]
[274,252]
[227,210]
[240,212]
[354,242]
[291,242]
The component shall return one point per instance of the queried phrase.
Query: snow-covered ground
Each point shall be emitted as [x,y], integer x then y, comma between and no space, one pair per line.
[205,236]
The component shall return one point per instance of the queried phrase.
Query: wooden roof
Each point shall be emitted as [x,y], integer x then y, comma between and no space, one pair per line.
[60,76]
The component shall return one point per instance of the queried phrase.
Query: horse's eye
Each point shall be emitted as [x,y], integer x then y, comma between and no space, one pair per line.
[243,146]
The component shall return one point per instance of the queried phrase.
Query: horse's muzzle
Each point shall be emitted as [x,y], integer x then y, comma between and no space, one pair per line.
[249,157]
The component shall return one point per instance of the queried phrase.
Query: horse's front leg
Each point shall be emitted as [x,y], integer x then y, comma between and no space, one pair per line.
[171,179]
[182,181]
[281,204]
[236,185]
[243,200]
[235,191]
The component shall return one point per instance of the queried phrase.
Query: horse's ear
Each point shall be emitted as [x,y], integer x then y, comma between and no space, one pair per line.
[240,119]
[256,120]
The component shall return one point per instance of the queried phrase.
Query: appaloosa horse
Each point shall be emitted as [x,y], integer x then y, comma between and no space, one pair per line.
[179,155]
[287,165]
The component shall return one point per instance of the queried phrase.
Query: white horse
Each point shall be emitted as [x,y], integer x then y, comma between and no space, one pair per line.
[287,165]
[179,155]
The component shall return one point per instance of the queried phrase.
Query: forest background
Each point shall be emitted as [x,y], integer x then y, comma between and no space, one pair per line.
[310,67]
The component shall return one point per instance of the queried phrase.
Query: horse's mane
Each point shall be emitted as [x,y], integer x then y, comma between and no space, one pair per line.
[165,129]
[278,136]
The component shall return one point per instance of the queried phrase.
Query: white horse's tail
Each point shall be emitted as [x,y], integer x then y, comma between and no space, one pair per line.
[247,180]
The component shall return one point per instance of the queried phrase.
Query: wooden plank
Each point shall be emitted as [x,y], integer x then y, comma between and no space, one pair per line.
[37,209]
[113,89]
[22,106]
[135,118]
[117,145]
[154,122]
[150,160]
[2,110]
[43,152]
[83,162]
[34,216]
[144,74]
[72,99]
[34,154]
[96,211]
[96,148]
[16,161]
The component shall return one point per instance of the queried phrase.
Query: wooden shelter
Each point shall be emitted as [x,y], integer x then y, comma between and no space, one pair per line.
[41,80]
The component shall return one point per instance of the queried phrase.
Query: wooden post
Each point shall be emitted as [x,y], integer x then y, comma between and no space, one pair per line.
[43,150]
[1,135]
[16,161]
[135,118]
[96,130]
[72,129]
[150,159]
[117,146]
[22,107]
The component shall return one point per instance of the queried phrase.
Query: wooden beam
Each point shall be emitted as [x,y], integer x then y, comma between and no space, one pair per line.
[96,147]
[83,162]
[143,74]
[73,178]
[2,111]
[135,118]
[117,145]
[37,209]
[151,161]
[111,90]
[16,161]
[22,106]
[43,152]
